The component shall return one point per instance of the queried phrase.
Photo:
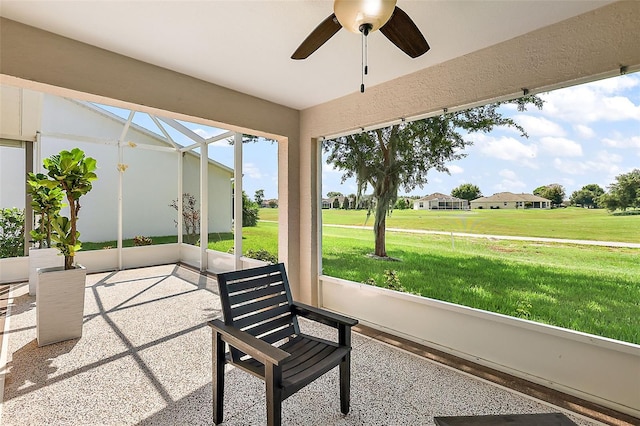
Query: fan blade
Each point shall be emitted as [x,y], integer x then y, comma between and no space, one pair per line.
[318,37]
[402,32]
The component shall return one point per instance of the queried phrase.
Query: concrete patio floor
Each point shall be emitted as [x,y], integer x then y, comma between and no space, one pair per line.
[145,358]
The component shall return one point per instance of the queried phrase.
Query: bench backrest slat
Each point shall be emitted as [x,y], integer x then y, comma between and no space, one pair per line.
[258,301]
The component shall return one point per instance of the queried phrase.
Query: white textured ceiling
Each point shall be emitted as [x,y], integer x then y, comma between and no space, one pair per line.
[246,45]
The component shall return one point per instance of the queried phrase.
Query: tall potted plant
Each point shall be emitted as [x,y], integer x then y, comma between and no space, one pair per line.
[60,291]
[46,202]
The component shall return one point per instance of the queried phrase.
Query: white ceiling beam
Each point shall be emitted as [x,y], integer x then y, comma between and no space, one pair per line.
[149,147]
[126,126]
[164,131]
[183,129]
[80,138]
[221,136]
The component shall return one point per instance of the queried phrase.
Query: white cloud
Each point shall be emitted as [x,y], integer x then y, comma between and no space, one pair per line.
[591,102]
[510,182]
[615,85]
[510,186]
[509,149]
[202,132]
[455,170]
[620,142]
[561,147]
[508,174]
[330,168]
[603,162]
[539,126]
[567,182]
[584,131]
[252,171]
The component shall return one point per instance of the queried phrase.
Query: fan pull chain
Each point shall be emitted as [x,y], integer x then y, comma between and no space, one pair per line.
[366,55]
[363,67]
[364,30]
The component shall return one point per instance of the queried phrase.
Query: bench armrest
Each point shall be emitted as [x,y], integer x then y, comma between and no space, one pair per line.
[323,316]
[250,345]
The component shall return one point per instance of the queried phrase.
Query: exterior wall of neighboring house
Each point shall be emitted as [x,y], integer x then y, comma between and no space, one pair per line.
[337,202]
[11,160]
[440,202]
[19,121]
[507,200]
[150,181]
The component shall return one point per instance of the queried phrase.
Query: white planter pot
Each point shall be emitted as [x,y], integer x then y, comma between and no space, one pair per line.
[42,258]
[59,304]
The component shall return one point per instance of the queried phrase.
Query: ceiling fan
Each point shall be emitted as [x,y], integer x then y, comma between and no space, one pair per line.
[366,16]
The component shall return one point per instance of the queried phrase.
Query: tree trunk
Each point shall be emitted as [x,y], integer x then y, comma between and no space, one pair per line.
[380,231]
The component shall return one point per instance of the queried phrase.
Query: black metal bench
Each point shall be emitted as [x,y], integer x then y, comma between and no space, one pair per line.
[261,328]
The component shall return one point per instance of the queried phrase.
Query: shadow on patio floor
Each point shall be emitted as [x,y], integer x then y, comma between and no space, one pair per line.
[145,358]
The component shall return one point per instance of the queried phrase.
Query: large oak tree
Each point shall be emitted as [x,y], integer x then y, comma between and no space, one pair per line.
[401,155]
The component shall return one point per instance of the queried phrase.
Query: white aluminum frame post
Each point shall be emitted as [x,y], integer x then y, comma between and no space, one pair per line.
[237,200]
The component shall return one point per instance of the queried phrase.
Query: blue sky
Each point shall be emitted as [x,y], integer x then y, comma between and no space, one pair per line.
[584,134]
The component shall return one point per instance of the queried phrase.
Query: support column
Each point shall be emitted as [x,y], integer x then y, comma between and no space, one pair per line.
[237,199]
[28,210]
[180,191]
[121,168]
[204,205]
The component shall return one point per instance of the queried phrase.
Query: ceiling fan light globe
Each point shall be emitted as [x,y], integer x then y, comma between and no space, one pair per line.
[353,13]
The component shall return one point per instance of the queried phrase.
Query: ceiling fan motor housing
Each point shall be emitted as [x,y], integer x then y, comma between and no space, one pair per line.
[352,14]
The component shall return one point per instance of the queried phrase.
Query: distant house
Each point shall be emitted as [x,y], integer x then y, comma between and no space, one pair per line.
[509,200]
[438,201]
[270,203]
[338,202]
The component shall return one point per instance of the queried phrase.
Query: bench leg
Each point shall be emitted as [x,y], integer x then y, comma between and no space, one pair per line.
[273,377]
[344,339]
[218,377]
[345,384]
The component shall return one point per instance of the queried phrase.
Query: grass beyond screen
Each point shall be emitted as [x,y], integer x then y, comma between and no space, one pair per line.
[591,289]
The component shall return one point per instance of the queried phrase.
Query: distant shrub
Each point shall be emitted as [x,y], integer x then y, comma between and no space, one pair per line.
[250,211]
[391,281]
[140,240]
[190,217]
[263,255]
[523,309]
[627,213]
[370,281]
[11,232]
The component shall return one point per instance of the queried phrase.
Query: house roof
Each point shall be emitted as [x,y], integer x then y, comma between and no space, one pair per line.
[509,197]
[438,196]
[246,45]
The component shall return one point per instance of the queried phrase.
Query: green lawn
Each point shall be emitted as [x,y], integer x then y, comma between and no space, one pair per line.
[569,223]
[591,289]
[585,288]
[127,243]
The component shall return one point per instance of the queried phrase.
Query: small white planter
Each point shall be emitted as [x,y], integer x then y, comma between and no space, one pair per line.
[42,258]
[59,304]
